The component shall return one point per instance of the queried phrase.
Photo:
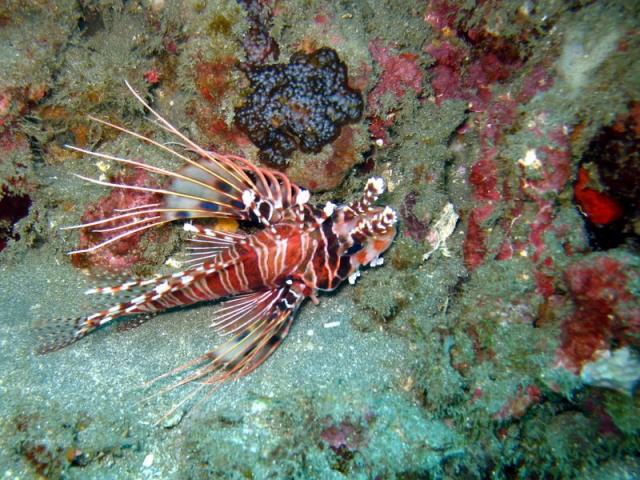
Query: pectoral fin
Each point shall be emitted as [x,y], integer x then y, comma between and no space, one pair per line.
[258,323]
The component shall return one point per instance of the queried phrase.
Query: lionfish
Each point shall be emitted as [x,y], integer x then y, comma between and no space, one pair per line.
[297,250]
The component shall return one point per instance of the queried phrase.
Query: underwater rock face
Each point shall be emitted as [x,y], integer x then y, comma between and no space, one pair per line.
[301,105]
[504,354]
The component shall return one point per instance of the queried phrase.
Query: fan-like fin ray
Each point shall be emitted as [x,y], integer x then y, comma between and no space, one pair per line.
[214,185]
[207,243]
[257,333]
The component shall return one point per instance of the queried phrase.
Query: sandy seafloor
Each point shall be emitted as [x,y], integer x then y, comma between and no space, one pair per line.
[471,363]
[100,383]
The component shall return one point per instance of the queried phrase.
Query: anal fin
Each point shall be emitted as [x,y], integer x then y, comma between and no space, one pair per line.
[239,312]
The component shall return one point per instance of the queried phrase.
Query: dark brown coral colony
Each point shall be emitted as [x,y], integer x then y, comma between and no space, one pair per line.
[301,104]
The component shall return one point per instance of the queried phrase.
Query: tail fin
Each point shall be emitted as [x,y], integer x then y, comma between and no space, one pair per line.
[60,332]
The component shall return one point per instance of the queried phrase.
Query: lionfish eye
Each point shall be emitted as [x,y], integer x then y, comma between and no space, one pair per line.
[265,210]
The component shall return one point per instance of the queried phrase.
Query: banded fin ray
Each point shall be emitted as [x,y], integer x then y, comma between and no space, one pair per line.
[229,169]
[240,311]
[58,333]
[149,296]
[55,334]
[213,186]
[261,332]
[206,244]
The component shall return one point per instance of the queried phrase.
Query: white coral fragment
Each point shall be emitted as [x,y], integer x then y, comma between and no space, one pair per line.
[441,230]
[618,370]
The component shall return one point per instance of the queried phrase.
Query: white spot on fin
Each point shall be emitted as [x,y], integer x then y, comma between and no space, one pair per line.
[162,288]
[248,196]
[329,208]
[376,262]
[377,183]
[303,197]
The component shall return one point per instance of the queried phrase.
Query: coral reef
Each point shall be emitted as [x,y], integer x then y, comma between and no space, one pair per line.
[501,335]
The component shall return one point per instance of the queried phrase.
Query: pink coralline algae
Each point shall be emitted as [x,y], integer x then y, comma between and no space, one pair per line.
[441,14]
[124,253]
[474,247]
[538,80]
[455,76]
[214,81]
[555,166]
[400,73]
[552,174]
[483,178]
[491,74]
[481,68]
[607,312]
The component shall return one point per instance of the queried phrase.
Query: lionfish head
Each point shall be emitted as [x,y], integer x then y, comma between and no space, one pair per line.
[368,230]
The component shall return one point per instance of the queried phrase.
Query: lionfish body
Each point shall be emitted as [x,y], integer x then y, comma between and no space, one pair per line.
[262,277]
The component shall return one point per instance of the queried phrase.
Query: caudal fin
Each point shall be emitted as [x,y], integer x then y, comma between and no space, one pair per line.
[60,332]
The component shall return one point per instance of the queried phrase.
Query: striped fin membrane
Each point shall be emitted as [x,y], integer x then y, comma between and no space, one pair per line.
[257,324]
[213,186]
[207,244]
